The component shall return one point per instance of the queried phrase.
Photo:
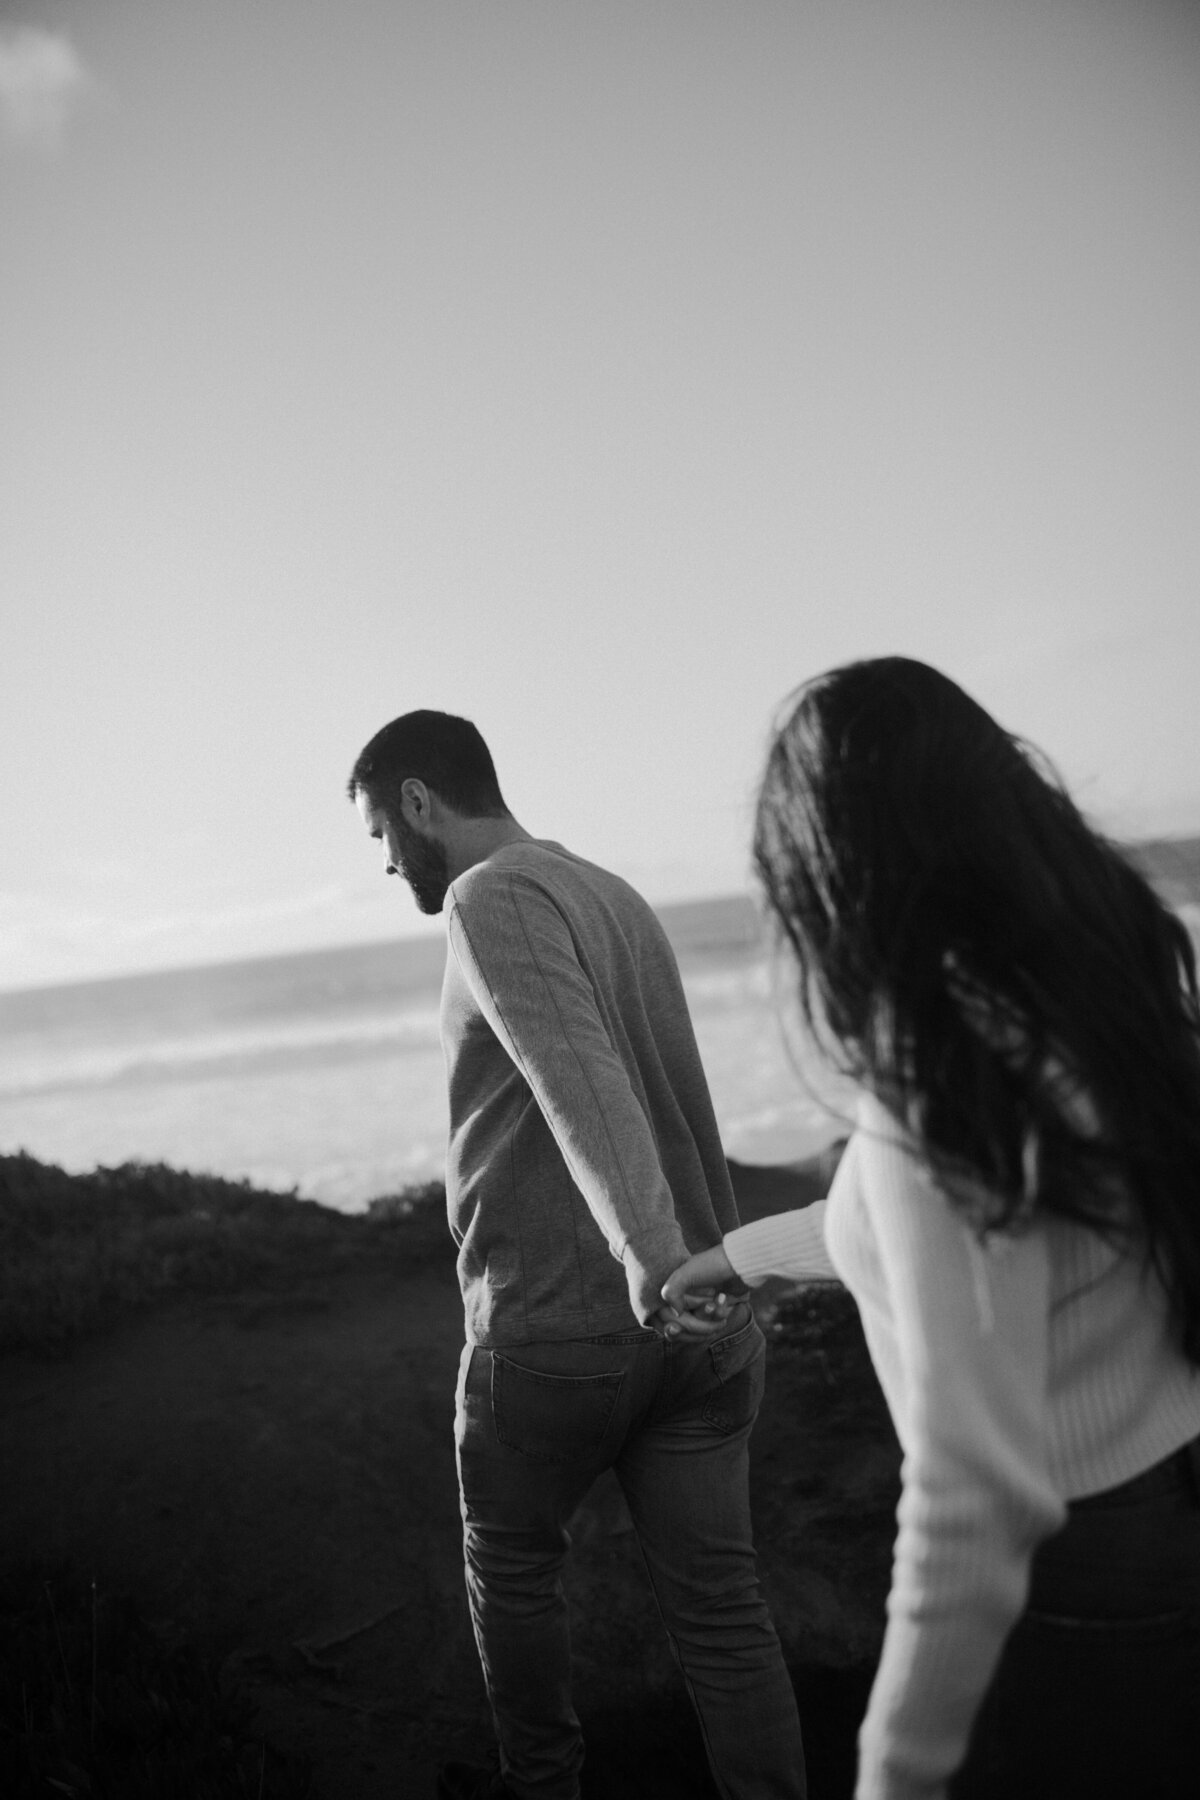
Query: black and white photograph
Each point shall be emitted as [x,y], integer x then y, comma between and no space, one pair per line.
[600,899]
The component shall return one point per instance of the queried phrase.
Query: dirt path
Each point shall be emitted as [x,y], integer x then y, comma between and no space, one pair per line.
[277,1481]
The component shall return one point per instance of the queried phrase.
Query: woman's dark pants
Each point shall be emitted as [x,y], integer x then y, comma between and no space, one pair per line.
[1097,1696]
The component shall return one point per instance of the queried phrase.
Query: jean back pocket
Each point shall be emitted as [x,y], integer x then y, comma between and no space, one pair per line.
[552,1418]
[738,1364]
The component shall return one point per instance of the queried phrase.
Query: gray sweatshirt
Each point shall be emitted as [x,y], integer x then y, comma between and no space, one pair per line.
[584,1161]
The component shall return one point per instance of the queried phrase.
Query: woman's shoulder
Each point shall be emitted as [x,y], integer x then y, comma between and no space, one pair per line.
[882,1163]
[893,1173]
[880,1133]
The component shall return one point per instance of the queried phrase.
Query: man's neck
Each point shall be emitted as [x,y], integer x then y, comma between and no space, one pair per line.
[474,840]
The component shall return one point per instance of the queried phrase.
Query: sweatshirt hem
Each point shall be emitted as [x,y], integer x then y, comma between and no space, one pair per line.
[556,1330]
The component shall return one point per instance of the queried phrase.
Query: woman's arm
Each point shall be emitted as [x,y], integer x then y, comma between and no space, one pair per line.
[790,1244]
[960,1339]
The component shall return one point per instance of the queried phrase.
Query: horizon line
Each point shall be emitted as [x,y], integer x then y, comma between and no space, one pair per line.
[423,934]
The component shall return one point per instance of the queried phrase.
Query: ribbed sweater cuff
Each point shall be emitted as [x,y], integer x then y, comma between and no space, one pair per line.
[790,1244]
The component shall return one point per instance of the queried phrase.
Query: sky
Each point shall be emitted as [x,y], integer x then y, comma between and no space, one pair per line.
[596,370]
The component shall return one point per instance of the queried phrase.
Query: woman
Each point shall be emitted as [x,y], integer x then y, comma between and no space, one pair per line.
[1017,1214]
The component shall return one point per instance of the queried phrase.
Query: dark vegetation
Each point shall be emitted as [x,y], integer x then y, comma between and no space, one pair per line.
[93,1702]
[78,1252]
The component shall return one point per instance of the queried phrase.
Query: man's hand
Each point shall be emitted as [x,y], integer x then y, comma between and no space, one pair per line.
[695,1283]
[694,1305]
[698,1314]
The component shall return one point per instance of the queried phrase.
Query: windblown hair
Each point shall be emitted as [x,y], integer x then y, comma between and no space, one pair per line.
[445,752]
[994,969]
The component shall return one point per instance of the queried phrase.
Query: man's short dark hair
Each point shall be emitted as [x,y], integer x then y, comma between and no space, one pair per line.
[446,753]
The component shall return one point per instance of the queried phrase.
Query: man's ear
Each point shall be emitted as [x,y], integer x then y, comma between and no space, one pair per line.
[415,801]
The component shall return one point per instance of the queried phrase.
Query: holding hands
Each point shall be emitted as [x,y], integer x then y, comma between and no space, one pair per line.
[694,1305]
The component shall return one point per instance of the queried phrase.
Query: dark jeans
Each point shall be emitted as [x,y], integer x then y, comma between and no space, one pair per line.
[1097,1696]
[535,1426]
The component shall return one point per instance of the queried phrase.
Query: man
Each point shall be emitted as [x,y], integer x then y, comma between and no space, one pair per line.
[584,1164]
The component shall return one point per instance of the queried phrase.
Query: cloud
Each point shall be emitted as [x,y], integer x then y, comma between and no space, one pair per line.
[41,82]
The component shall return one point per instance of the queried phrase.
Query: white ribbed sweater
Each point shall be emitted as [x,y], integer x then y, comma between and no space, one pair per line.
[1019,1377]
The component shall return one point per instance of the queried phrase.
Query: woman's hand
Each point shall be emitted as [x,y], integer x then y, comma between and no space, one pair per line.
[691,1292]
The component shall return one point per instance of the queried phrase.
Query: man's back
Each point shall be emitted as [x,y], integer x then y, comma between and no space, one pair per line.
[581,1127]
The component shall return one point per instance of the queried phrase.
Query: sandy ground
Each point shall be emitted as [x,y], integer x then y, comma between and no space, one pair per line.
[272,1476]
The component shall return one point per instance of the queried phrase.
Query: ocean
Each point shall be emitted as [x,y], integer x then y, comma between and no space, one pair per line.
[322,1072]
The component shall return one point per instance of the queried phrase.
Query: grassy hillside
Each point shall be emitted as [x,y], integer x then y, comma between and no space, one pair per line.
[76,1251]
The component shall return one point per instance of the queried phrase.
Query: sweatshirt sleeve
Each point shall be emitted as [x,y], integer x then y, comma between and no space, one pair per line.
[960,1336]
[789,1244]
[516,953]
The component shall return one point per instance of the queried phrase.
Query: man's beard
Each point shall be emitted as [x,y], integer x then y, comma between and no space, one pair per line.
[424,867]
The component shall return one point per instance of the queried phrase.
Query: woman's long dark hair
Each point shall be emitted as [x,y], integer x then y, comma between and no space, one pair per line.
[988,964]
